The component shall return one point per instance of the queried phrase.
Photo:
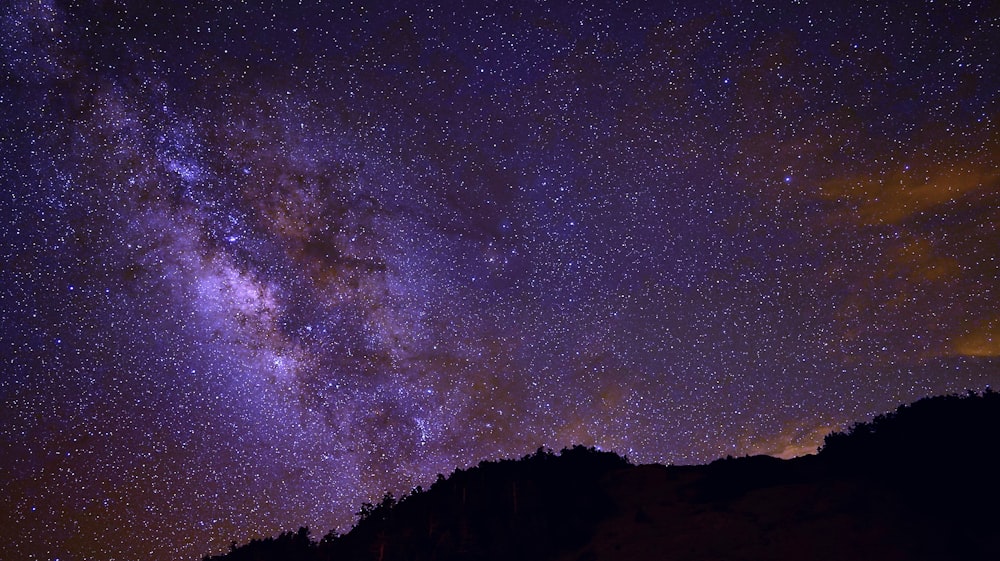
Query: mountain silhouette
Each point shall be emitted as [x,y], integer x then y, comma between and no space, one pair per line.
[919,483]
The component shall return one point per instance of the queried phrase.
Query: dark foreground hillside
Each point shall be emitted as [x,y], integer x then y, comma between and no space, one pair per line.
[920,483]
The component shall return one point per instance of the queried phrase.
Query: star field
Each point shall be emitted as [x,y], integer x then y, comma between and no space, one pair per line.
[263,263]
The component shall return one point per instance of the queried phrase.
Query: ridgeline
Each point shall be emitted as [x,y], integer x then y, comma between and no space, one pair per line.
[919,483]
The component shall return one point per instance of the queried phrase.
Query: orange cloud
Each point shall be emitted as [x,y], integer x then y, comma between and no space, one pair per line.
[893,198]
[794,440]
[918,261]
[982,341]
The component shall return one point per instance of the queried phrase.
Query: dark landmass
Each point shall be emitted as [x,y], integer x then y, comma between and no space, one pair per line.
[919,483]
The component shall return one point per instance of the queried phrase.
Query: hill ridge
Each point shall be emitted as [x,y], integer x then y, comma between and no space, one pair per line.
[882,489]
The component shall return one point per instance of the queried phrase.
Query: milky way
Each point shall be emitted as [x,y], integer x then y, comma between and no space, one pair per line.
[263,264]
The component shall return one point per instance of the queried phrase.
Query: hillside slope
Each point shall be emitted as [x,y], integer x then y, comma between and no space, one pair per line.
[919,483]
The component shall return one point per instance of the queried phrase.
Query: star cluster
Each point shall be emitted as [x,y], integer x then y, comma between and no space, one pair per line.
[265,262]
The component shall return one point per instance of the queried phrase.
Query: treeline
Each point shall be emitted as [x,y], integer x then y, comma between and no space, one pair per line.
[932,433]
[924,475]
[532,508]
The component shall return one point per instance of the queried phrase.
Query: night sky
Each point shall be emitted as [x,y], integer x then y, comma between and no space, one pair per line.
[262,264]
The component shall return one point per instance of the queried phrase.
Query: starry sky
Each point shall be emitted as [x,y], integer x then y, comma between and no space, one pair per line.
[265,261]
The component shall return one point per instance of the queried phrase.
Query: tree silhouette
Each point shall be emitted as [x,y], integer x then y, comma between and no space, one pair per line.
[916,483]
